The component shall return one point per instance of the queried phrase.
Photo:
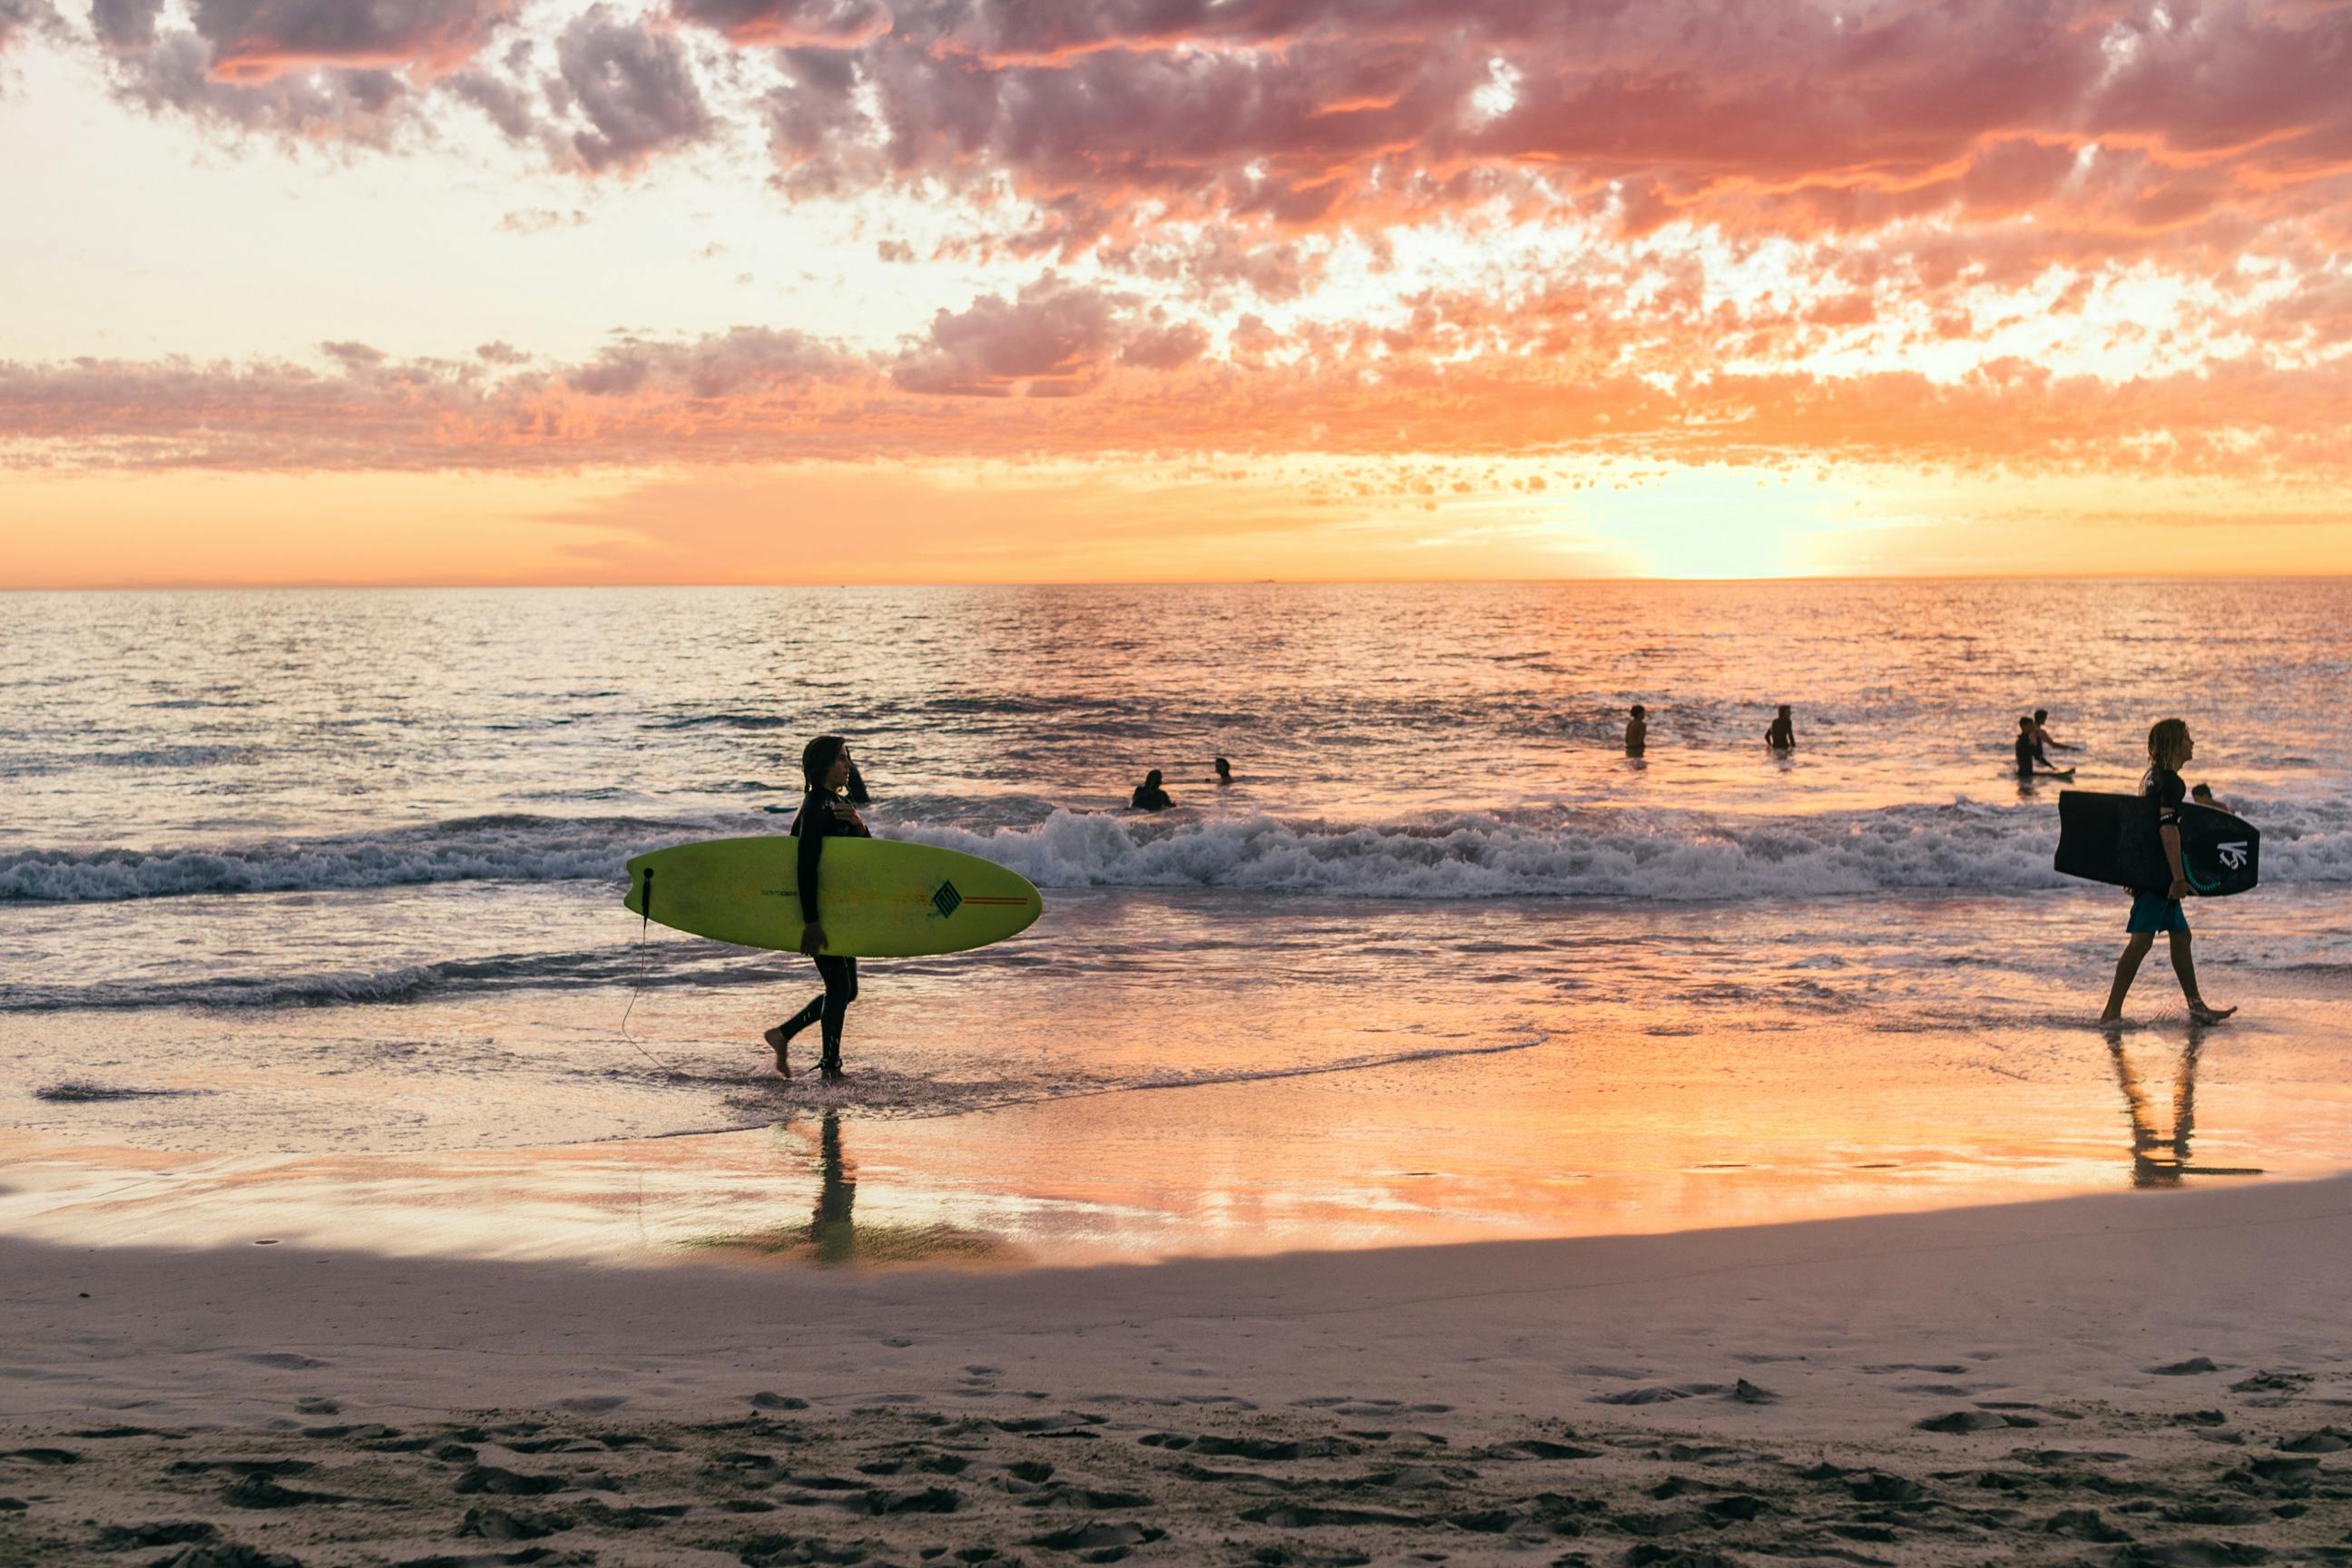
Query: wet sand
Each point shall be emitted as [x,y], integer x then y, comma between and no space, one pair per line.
[2159,1378]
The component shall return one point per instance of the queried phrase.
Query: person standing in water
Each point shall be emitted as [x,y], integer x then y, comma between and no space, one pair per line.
[1637,731]
[825,768]
[1148,794]
[1224,771]
[2157,910]
[2030,762]
[2044,743]
[1782,736]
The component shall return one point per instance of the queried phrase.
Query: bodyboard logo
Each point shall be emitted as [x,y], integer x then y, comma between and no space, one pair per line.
[947,900]
[2233,855]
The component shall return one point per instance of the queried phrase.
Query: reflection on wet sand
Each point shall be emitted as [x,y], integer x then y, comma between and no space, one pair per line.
[832,1237]
[2160,1159]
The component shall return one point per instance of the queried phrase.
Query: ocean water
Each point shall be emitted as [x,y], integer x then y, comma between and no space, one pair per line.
[311,907]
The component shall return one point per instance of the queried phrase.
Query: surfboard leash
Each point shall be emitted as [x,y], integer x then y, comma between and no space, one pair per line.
[644,929]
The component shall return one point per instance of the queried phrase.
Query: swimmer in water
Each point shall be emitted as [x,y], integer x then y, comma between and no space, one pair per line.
[1148,794]
[1637,731]
[1782,736]
[1224,771]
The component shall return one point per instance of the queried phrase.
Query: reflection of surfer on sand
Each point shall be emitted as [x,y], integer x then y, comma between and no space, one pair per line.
[830,1228]
[2157,910]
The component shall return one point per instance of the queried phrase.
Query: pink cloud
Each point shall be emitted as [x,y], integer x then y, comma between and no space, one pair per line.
[1054,339]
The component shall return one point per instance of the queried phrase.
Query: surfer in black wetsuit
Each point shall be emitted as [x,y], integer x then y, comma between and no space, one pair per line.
[1148,794]
[2030,762]
[1637,731]
[2157,910]
[1782,736]
[824,814]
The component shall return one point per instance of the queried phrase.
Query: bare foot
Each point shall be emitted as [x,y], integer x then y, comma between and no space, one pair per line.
[776,1038]
[2204,1015]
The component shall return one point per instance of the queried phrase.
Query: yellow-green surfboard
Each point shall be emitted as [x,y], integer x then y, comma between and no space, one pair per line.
[879,898]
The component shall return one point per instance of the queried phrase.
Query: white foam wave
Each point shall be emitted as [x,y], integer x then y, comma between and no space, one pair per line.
[1674,857]
[1670,855]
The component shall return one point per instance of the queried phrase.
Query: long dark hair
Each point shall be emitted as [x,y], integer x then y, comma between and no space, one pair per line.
[816,761]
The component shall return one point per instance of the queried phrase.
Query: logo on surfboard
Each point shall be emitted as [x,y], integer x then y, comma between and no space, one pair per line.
[2233,855]
[947,900]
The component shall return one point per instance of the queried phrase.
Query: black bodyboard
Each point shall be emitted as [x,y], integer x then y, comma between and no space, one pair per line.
[2112,838]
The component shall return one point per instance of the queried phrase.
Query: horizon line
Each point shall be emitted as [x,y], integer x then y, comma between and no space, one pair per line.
[451,585]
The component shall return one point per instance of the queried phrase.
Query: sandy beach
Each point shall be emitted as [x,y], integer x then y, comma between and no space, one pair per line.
[2158,1378]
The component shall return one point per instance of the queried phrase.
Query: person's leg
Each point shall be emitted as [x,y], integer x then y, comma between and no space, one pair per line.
[2136,948]
[840,991]
[781,1036]
[2185,967]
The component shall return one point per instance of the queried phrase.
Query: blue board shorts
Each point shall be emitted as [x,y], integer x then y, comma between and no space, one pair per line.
[2152,912]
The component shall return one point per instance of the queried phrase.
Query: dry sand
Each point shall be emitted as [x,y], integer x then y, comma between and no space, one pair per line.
[2157,1378]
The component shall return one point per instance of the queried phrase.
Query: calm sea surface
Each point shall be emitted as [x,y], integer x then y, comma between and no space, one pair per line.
[311,909]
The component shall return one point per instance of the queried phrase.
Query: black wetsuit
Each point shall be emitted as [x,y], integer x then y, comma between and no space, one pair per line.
[1150,798]
[818,820]
[2027,755]
[2171,793]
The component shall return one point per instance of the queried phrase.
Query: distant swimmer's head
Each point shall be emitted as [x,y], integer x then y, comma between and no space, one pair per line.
[2168,744]
[1152,779]
[825,762]
[2041,715]
[1224,771]
[1640,711]
[1784,710]
[2203,793]
[2024,726]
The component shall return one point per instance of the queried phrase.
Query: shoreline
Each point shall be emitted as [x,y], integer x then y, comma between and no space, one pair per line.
[2112,1361]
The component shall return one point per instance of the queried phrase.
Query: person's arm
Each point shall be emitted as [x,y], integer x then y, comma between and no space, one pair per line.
[2167,831]
[813,826]
[2171,833]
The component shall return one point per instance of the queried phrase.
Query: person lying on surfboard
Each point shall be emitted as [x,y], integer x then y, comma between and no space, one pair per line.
[2157,910]
[826,770]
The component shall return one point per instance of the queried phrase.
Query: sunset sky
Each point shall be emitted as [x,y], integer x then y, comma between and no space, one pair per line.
[854,290]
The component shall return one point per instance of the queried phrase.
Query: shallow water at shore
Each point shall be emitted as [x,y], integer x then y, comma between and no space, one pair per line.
[1353,1077]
